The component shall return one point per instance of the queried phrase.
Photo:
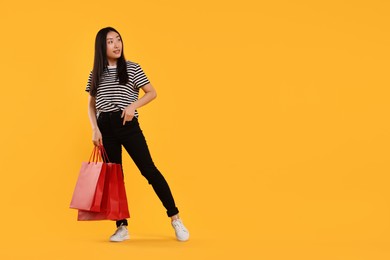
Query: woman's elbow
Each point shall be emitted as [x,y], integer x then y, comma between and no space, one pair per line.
[154,94]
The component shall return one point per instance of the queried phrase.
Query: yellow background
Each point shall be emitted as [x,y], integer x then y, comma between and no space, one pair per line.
[271,126]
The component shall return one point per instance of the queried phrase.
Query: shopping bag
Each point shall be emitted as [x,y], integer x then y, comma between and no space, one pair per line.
[117,203]
[87,194]
[123,204]
[114,201]
[113,197]
[102,215]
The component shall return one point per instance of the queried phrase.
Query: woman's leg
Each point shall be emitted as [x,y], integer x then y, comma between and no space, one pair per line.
[135,144]
[132,138]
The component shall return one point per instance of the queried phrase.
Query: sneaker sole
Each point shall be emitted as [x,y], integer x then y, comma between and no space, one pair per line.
[120,240]
[183,240]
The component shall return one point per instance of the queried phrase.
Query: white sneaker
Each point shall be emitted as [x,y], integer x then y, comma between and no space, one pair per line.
[120,234]
[182,233]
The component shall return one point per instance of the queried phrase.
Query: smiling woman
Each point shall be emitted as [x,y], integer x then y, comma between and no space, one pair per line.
[113,86]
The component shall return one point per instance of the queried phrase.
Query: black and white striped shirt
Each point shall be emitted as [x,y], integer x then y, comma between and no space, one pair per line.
[111,96]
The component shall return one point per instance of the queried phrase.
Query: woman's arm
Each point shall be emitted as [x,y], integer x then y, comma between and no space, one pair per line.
[96,135]
[129,111]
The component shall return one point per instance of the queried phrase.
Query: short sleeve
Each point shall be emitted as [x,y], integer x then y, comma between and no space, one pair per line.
[89,82]
[140,78]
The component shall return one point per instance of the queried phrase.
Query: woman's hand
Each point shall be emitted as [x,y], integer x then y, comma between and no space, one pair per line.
[97,137]
[128,114]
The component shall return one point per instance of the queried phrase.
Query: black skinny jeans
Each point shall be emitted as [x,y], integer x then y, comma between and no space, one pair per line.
[130,135]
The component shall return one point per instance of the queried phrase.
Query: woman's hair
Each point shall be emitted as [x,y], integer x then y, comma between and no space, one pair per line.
[100,61]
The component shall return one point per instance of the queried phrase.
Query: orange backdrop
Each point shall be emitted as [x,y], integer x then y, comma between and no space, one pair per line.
[271,126]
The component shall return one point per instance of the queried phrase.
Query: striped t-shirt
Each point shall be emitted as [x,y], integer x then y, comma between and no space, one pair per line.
[111,96]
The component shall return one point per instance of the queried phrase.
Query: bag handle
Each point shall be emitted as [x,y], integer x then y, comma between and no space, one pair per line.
[99,154]
[103,154]
[95,155]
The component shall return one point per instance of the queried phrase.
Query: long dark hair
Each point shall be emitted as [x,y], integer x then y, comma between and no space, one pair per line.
[100,61]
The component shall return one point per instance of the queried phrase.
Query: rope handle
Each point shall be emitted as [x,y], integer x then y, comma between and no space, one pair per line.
[103,154]
[95,155]
[98,154]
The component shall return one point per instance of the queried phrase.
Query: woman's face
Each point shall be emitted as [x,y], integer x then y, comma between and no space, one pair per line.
[114,46]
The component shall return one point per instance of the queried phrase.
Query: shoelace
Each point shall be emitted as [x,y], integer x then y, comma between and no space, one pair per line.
[179,225]
[119,231]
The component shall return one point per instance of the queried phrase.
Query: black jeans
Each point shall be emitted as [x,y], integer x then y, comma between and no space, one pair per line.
[130,135]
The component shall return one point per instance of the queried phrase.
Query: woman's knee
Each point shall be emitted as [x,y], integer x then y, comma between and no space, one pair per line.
[152,174]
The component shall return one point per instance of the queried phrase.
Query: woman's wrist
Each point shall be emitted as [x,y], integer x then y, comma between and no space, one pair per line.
[132,106]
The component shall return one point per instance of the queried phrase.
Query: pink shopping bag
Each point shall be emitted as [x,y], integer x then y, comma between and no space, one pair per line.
[88,192]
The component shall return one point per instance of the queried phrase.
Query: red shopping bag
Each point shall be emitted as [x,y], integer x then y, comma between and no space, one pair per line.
[114,201]
[117,203]
[123,204]
[88,191]
[113,198]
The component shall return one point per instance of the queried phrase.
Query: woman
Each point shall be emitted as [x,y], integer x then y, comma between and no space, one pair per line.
[113,86]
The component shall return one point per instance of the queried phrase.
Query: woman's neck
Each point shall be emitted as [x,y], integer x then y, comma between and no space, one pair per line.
[111,63]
